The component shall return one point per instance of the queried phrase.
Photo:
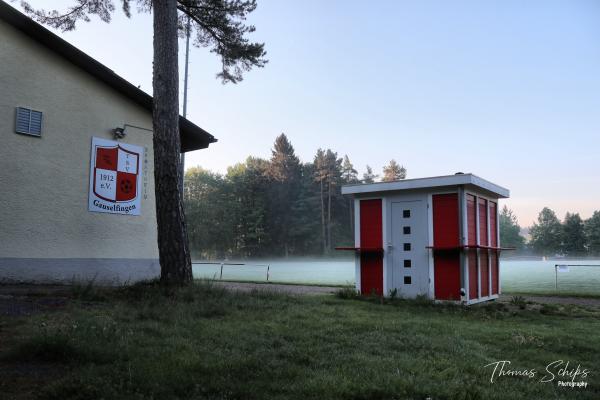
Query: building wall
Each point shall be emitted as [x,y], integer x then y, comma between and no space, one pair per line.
[46,230]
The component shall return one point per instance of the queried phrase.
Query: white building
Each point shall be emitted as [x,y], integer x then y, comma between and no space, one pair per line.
[436,237]
[59,112]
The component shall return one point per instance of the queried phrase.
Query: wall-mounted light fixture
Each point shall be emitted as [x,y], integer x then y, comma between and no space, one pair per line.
[119,133]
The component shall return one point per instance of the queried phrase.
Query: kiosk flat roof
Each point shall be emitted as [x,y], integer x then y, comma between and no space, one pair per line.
[426,183]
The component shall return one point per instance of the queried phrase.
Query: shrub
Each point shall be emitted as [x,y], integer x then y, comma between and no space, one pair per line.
[87,291]
[519,301]
[347,293]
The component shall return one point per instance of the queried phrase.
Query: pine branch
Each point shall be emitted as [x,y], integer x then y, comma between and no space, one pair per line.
[218,25]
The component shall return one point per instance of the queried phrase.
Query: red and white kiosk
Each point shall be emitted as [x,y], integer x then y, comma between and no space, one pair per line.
[437,237]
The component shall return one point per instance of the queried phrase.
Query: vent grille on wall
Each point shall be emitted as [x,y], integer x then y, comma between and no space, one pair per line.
[29,122]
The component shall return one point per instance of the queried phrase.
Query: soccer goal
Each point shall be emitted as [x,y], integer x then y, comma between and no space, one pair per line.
[577,278]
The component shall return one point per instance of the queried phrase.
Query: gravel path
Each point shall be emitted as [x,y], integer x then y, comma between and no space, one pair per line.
[291,289]
[578,301]
[306,289]
[16,300]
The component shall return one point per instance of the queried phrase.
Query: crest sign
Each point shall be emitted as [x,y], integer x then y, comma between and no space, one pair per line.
[115,177]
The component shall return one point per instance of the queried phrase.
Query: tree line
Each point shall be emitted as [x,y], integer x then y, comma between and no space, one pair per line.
[549,236]
[275,207]
[284,207]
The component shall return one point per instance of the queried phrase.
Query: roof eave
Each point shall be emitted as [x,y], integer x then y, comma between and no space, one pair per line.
[428,183]
[192,136]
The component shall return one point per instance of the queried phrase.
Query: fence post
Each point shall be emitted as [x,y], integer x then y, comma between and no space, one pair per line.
[556,277]
[221,277]
[268,267]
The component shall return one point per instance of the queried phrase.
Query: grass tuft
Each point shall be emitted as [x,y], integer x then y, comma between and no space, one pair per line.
[87,291]
[347,293]
[518,301]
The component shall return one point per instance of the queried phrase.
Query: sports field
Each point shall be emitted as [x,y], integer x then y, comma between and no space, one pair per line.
[530,276]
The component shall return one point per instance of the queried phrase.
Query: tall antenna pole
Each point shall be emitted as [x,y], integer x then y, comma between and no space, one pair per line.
[185,88]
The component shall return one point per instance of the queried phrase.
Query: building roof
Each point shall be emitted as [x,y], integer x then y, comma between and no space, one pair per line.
[428,183]
[192,136]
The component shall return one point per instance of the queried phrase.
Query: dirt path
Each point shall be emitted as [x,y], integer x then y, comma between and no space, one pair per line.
[291,289]
[18,300]
[306,289]
[578,301]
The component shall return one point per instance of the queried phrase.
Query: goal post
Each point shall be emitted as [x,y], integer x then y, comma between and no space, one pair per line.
[560,269]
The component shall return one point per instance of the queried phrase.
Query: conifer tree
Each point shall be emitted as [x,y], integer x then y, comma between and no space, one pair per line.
[284,171]
[320,173]
[349,176]
[334,166]
[369,176]
[393,172]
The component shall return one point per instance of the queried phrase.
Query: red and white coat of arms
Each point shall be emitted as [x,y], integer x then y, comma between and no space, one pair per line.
[115,177]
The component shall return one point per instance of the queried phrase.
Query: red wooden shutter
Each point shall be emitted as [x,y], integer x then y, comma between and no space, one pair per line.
[485,273]
[494,267]
[471,221]
[472,258]
[483,217]
[446,234]
[493,225]
[445,220]
[371,236]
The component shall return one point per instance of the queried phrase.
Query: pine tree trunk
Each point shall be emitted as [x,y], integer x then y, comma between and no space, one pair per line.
[323,219]
[329,215]
[174,255]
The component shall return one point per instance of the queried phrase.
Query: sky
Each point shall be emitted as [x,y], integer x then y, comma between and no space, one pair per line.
[507,90]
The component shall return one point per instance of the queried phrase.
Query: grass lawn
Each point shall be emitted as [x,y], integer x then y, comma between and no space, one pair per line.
[145,342]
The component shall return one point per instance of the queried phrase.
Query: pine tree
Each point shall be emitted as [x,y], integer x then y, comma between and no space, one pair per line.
[349,176]
[393,172]
[369,176]
[306,226]
[334,166]
[320,175]
[284,164]
[284,171]
[218,24]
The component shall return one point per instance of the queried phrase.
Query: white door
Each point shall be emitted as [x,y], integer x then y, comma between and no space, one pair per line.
[410,261]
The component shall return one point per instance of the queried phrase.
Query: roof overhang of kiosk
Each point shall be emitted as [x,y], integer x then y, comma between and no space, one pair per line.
[436,182]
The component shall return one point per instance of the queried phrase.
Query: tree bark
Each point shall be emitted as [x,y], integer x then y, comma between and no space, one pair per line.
[323,219]
[173,248]
[329,215]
